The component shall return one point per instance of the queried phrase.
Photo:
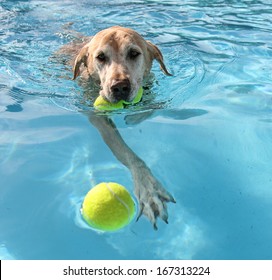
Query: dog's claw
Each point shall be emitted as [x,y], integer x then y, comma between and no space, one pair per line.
[140,212]
[171,198]
[155,226]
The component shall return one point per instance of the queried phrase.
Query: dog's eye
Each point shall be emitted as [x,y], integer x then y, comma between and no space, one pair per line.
[133,54]
[101,57]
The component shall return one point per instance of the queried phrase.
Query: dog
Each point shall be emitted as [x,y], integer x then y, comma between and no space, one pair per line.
[119,60]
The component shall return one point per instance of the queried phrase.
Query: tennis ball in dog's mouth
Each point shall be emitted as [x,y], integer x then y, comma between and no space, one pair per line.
[108,207]
[104,105]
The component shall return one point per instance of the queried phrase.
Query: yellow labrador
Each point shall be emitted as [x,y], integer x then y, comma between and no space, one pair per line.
[119,59]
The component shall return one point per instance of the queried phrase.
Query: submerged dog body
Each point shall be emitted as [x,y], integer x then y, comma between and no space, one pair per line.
[119,60]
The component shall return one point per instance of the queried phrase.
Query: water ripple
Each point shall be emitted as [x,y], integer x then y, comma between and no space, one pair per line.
[200,40]
[215,128]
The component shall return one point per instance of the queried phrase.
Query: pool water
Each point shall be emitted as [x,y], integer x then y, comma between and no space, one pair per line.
[208,141]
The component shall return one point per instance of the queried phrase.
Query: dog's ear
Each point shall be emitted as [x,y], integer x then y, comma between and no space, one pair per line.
[156,54]
[81,58]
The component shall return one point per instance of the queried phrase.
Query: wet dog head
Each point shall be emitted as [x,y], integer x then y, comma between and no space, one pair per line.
[118,59]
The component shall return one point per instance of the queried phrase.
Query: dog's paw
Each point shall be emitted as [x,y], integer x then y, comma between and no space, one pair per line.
[151,195]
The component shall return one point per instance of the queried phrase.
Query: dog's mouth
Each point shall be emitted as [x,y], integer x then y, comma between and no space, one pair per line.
[120,90]
[114,95]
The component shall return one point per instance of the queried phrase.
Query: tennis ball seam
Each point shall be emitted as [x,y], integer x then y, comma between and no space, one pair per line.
[120,200]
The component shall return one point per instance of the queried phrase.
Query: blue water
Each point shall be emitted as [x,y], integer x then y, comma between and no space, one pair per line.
[209,140]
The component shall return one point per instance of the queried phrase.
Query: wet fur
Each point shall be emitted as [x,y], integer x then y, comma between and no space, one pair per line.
[115,43]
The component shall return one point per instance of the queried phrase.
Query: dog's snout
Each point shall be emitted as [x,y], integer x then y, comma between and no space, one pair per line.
[120,89]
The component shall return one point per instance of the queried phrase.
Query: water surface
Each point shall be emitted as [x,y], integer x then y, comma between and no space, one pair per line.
[209,143]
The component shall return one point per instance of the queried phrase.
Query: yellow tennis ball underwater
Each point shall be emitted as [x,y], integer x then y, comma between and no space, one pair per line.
[108,207]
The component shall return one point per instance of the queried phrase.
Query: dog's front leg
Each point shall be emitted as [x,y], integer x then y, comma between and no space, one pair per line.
[151,195]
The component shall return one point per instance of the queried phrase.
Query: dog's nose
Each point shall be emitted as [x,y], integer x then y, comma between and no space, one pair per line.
[120,89]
